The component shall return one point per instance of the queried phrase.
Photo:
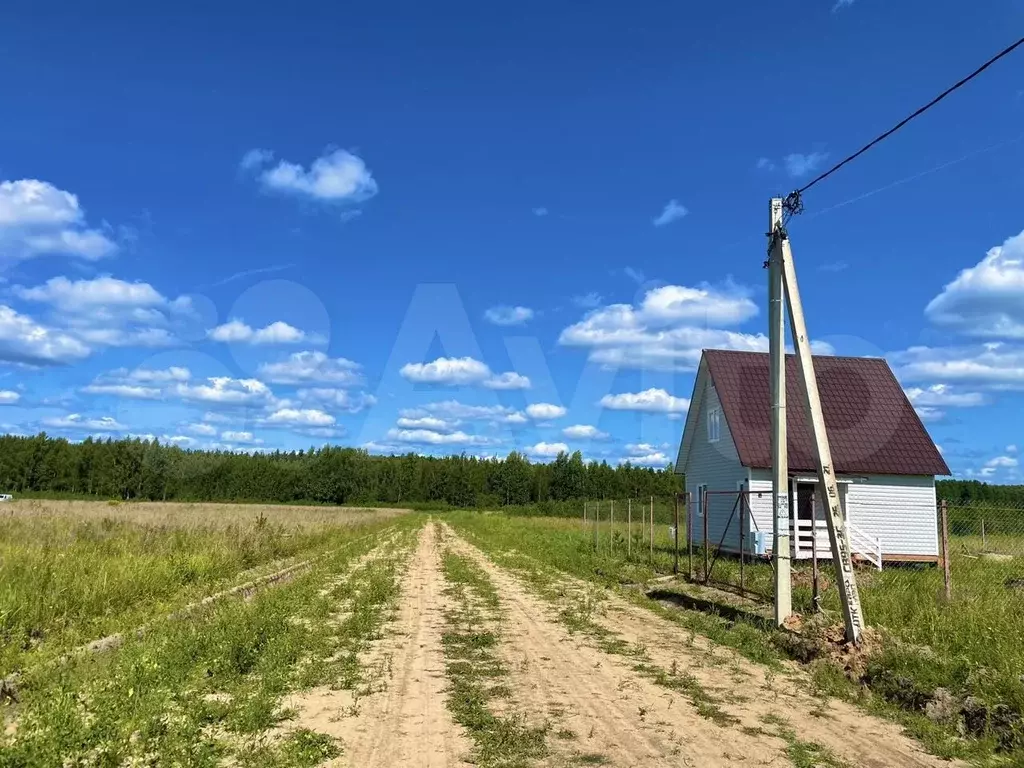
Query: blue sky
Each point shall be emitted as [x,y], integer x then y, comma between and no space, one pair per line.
[458,227]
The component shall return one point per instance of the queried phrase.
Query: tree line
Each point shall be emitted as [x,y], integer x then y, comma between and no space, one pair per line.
[965,492]
[150,470]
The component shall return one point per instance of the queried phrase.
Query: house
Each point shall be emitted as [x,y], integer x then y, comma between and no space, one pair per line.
[884,460]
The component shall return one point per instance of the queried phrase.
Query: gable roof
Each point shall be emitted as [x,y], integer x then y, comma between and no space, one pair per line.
[872,427]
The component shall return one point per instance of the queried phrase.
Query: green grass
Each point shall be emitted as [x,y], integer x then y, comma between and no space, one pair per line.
[474,671]
[65,581]
[207,689]
[972,646]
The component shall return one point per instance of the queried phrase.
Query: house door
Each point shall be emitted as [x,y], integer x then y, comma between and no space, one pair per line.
[810,529]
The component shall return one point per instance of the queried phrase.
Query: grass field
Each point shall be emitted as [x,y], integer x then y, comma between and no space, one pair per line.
[453,639]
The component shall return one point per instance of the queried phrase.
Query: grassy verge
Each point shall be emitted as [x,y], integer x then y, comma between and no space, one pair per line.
[475,673]
[66,580]
[970,651]
[208,689]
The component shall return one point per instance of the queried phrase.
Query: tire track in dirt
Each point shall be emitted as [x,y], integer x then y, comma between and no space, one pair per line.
[854,735]
[613,712]
[404,719]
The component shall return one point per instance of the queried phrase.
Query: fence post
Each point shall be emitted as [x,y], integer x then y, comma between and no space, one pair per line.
[584,522]
[704,509]
[743,583]
[611,527]
[675,543]
[597,521]
[689,531]
[652,530]
[629,528]
[946,574]
[984,541]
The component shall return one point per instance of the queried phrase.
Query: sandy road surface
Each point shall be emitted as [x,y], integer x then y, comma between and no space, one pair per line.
[618,713]
[405,721]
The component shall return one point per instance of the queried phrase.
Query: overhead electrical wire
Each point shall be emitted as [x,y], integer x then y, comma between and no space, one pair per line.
[793,200]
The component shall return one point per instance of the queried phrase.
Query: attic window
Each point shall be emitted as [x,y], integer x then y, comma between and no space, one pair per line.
[714,425]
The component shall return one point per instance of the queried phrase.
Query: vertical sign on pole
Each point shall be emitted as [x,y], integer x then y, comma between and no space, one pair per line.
[780,459]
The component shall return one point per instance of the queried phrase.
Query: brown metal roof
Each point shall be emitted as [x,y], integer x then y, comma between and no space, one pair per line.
[872,427]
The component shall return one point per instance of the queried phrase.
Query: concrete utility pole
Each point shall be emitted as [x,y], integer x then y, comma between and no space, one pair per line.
[781,257]
[780,460]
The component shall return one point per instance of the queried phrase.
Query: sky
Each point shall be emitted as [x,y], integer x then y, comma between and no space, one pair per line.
[467,228]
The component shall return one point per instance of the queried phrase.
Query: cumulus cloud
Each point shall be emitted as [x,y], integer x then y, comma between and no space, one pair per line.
[206,430]
[453,410]
[462,371]
[584,432]
[75,421]
[432,437]
[300,417]
[765,164]
[224,390]
[798,165]
[986,300]
[138,384]
[337,399]
[673,211]
[431,423]
[943,396]
[38,218]
[87,294]
[337,177]
[505,315]
[649,401]
[668,329]
[545,411]
[540,211]
[313,368]
[993,364]
[646,455]
[245,438]
[9,397]
[544,450]
[23,340]
[238,332]
[131,391]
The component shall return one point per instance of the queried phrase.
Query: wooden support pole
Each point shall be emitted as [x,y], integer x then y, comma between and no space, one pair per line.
[947,575]
[675,543]
[629,528]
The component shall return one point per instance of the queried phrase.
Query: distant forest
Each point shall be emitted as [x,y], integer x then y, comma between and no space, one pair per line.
[137,469]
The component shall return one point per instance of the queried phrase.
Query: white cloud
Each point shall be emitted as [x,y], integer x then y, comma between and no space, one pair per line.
[431,437]
[584,432]
[673,211]
[547,450]
[545,411]
[161,375]
[206,430]
[312,368]
[236,331]
[798,165]
[765,164]
[928,401]
[507,380]
[77,421]
[86,294]
[1011,448]
[587,300]
[840,4]
[132,391]
[431,423]
[338,399]
[225,390]
[995,365]
[336,177]
[462,371]
[240,437]
[986,300]
[9,397]
[503,315]
[300,417]
[38,218]
[453,410]
[1002,462]
[23,340]
[540,211]
[645,454]
[649,401]
[668,329]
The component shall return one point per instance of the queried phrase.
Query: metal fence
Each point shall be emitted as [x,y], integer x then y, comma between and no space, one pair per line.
[652,529]
[982,547]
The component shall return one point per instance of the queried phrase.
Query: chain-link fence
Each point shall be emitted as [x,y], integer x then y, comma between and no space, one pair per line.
[985,547]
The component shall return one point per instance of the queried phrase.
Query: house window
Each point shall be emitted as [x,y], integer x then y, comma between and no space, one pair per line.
[714,425]
[701,489]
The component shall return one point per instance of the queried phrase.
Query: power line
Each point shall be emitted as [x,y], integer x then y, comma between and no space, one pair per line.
[907,119]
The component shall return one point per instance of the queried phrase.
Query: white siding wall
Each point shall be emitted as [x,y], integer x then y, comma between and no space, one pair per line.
[898,509]
[718,466]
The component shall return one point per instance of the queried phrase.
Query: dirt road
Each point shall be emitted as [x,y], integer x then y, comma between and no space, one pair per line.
[598,694]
